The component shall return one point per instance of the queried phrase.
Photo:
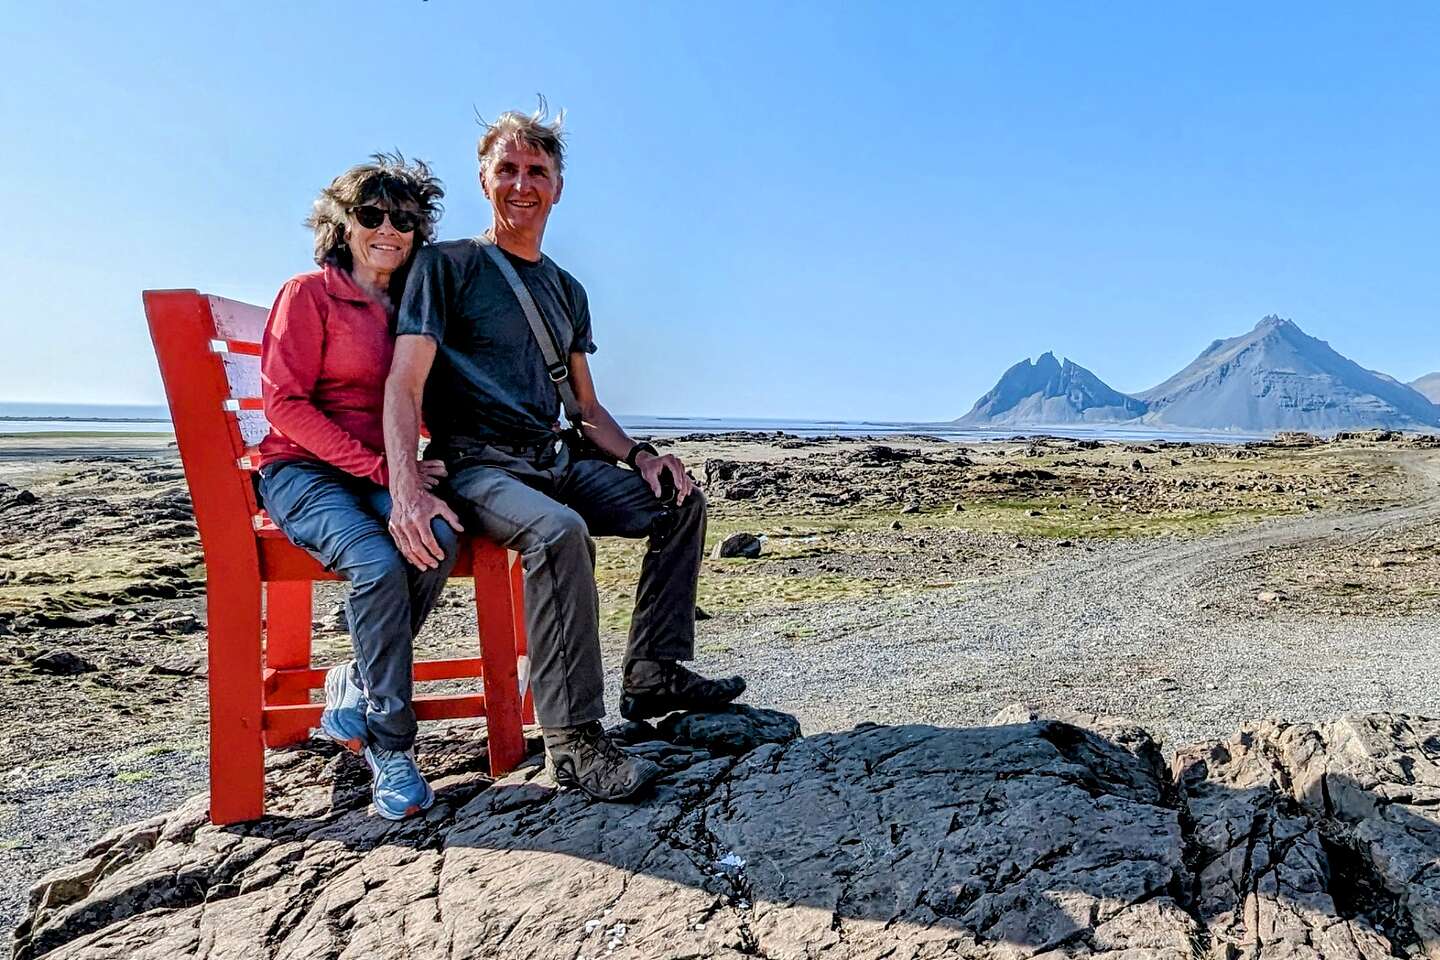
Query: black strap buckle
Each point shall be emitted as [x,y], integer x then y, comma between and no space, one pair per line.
[558,371]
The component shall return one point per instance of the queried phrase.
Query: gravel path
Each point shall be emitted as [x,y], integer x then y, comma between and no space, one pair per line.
[1128,629]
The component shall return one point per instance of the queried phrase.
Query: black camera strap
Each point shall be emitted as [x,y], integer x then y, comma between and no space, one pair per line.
[556,366]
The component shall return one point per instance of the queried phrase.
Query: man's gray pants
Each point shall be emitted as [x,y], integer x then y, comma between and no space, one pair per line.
[546,507]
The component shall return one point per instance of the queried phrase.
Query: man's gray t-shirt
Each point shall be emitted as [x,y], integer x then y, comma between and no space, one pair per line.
[488,384]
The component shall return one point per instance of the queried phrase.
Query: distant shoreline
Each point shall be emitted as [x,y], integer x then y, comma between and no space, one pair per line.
[87,419]
[86,434]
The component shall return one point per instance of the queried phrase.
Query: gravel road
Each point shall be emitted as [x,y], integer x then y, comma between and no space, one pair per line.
[1124,628]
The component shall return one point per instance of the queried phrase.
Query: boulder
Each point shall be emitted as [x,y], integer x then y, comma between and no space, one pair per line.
[746,489]
[1318,841]
[62,663]
[745,545]
[734,730]
[336,621]
[880,453]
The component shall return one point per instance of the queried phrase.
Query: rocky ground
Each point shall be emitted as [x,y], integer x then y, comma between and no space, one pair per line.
[899,580]
[1028,837]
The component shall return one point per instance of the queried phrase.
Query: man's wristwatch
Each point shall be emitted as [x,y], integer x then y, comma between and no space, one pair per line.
[635,451]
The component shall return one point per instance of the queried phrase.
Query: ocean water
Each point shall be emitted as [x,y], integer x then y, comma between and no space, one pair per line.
[83,418]
[16,418]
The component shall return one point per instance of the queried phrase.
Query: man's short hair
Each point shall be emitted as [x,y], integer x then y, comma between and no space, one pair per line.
[537,130]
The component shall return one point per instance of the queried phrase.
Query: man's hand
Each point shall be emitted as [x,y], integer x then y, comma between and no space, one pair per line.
[410,518]
[412,505]
[432,472]
[651,467]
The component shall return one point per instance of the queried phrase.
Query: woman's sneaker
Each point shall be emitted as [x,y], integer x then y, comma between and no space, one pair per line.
[398,788]
[343,719]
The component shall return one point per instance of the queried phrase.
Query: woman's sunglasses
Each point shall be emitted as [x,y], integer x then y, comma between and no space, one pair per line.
[371,217]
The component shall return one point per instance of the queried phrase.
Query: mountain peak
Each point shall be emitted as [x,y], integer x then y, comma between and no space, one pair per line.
[1277,377]
[1273,321]
[1274,377]
[1429,386]
[1046,391]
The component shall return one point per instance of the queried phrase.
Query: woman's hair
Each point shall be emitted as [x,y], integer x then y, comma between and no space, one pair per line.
[389,177]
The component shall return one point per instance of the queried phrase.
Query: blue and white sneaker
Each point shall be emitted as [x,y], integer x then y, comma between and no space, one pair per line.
[398,789]
[343,719]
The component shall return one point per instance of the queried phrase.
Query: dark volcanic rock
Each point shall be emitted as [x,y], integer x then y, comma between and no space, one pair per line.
[879,453]
[734,730]
[48,621]
[635,731]
[743,480]
[746,489]
[62,663]
[745,545]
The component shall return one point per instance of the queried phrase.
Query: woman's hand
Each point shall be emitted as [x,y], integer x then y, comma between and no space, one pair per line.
[432,472]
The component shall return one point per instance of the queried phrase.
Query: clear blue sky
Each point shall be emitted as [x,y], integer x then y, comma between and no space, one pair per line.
[806,210]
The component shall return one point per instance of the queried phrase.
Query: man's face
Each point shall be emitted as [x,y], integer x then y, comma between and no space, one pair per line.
[522,185]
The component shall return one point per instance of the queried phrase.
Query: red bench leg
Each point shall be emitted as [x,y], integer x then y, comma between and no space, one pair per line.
[237,750]
[496,619]
[517,606]
[287,644]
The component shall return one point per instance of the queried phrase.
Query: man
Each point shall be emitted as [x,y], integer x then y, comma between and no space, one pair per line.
[466,353]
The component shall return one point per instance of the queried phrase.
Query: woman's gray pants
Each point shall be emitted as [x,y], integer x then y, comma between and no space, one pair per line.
[342,520]
[547,507]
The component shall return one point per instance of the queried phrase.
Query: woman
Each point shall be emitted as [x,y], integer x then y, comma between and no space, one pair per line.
[323,363]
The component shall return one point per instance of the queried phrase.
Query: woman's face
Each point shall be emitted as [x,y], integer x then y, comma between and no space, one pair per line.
[381,249]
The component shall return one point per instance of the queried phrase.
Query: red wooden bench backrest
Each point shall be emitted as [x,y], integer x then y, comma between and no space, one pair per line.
[209,353]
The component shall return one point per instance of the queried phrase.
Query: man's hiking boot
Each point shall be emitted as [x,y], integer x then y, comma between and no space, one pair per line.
[398,789]
[653,688]
[586,758]
[343,719]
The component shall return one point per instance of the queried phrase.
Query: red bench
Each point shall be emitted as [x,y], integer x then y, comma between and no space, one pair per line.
[258,585]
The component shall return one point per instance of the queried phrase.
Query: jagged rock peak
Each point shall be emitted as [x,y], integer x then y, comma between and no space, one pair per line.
[1273,321]
[1046,391]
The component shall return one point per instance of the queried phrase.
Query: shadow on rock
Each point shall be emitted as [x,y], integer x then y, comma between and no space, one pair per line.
[1031,838]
